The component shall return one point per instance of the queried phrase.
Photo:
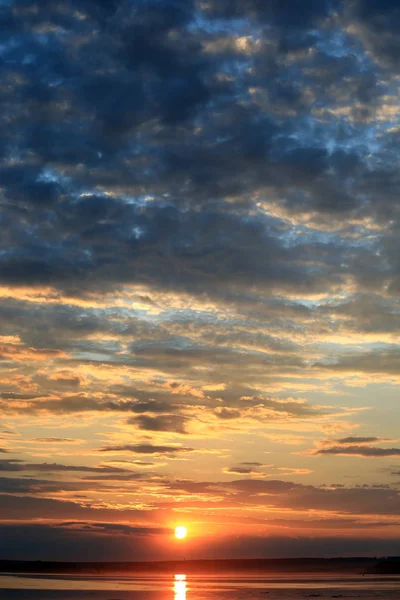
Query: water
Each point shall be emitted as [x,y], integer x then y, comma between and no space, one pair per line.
[199,587]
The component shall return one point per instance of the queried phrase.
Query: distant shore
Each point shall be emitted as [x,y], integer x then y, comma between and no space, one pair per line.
[355,565]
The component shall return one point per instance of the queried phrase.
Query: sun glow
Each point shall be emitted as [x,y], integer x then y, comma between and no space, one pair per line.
[180,532]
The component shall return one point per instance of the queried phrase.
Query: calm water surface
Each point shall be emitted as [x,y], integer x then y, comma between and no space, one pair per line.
[196,587]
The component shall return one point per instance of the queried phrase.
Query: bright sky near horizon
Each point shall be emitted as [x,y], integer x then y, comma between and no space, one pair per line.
[199,278]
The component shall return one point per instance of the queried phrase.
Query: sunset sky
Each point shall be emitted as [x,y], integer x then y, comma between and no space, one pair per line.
[199,278]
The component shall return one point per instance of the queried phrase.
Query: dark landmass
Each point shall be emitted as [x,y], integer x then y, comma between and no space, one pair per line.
[356,565]
[387,566]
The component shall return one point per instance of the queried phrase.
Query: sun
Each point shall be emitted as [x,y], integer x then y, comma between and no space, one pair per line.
[180,532]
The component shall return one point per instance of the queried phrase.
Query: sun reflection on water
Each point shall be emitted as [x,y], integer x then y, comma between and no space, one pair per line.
[180,587]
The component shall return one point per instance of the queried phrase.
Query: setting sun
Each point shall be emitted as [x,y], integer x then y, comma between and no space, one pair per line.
[180,532]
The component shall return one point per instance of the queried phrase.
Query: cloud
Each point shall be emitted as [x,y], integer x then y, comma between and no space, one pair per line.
[16,353]
[377,25]
[148,449]
[227,413]
[365,451]
[244,469]
[126,464]
[359,440]
[17,465]
[374,361]
[363,500]
[55,440]
[32,486]
[256,468]
[347,443]
[25,508]
[285,16]
[175,423]
[253,151]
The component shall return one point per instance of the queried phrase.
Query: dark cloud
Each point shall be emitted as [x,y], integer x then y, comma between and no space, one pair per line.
[16,465]
[162,123]
[82,402]
[54,440]
[181,238]
[286,15]
[117,528]
[379,23]
[152,406]
[259,486]
[332,523]
[241,470]
[227,413]
[148,449]
[369,313]
[46,487]
[28,508]
[33,486]
[354,450]
[384,360]
[17,396]
[358,440]
[368,500]
[175,423]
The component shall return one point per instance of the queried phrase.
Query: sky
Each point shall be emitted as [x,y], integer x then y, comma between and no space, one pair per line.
[199,278]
